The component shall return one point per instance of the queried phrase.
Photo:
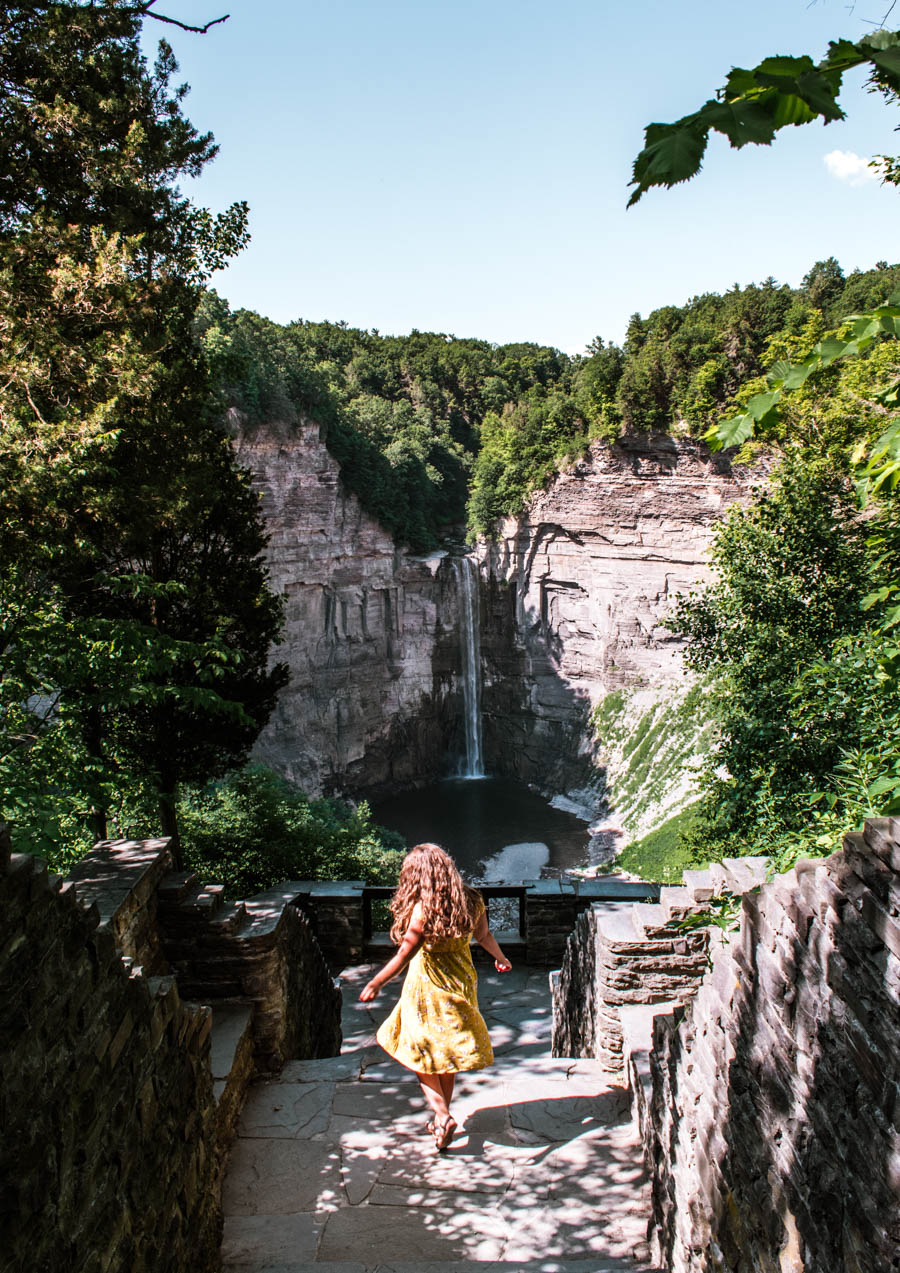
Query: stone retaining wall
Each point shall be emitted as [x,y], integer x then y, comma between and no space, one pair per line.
[113,1142]
[106,1097]
[629,954]
[772,1101]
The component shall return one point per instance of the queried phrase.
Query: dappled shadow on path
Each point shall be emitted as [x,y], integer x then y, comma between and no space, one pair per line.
[334,1166]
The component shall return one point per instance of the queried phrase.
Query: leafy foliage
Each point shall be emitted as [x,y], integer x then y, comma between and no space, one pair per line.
[430,430]
[755,104]
[136,619]
[805,697]
[252,830]
[405,416]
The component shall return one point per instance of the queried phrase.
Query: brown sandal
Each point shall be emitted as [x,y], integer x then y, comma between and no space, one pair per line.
[444,1132]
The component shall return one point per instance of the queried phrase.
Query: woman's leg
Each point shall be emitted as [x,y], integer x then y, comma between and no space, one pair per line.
[437,1090]
[447,1081]
[433,1091]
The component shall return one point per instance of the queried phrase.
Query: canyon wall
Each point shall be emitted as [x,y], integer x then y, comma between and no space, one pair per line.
[572,594]
[373,702]
[576,590]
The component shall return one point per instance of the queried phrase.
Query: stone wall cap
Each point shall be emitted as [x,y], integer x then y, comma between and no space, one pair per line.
[113,870]
[618,890]
[338,888]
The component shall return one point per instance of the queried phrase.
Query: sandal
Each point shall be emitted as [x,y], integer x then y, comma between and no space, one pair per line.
[444,1132]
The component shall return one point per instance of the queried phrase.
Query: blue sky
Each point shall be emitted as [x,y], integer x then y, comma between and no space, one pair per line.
[463,167]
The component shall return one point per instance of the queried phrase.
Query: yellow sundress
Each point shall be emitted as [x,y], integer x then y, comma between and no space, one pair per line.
[436,1027]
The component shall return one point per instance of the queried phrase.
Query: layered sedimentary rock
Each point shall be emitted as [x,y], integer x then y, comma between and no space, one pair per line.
[572,597]
[370,636]
[577,588]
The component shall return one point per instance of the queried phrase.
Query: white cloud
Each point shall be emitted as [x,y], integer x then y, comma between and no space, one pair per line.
[849,167]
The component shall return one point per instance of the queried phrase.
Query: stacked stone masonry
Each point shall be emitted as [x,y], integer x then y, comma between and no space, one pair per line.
[772,1112]
[108,1154]
[768,1090]
[336,914]
[118,1096]
[619,956]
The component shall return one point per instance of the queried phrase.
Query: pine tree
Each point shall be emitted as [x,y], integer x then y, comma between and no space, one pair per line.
[134,610]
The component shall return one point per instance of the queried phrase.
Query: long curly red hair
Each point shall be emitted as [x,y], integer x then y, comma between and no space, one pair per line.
[429,876]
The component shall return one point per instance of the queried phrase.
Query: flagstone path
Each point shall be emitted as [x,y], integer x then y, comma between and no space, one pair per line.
[333,1171]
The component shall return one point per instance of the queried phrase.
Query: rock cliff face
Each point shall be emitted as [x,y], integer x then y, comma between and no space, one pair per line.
[370,635]
[576,591]
[572,594]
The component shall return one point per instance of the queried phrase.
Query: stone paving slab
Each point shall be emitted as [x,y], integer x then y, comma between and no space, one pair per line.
[333,1171]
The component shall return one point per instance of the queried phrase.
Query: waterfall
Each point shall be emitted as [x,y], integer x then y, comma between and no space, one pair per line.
[467,582]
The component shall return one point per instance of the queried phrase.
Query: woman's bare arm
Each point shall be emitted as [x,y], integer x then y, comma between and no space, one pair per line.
[485,939]
[412,940]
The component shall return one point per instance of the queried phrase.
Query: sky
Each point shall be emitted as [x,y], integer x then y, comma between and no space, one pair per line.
[463,165]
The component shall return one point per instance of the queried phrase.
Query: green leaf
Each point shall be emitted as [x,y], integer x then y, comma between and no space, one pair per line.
[731,432]
[888,60]
[881,785]
[875,598]
[673,153]
[761,404]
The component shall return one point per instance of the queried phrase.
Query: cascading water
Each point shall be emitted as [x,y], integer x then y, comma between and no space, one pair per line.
[467,582]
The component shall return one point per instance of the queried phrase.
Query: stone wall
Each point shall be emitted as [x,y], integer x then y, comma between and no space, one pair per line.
[373,703]
[261,953]
[336,913]
[772,1104]
[106,1098]
[575,590]
[617,956]
[118,1096]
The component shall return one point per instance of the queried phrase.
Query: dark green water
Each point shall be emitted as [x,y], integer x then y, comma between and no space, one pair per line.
[497,830]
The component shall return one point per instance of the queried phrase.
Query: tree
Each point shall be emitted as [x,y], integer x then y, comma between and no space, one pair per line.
[790,570]
[123,507]
[752,107]
[788,678]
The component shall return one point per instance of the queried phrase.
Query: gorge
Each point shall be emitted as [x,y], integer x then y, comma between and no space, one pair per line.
[565,605]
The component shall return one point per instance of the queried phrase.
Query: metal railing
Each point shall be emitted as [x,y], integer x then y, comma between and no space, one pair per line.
[374,892]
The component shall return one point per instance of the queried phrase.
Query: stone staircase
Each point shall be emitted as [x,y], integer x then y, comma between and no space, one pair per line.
[333,1171]
[628,956]
[249,955]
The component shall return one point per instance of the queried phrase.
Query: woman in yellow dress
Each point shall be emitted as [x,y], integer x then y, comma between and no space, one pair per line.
[436,1030]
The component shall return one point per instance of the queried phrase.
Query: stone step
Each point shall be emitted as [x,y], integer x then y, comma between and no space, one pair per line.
[231,1059]
[200,902]
[230,920]
[677,902]
[649,916]
[206,984]
[176,885]
[23,864]
[882,836]
[202,941]
[699,884]
[602,1264]
[618,927]
[720,879]
[744,874]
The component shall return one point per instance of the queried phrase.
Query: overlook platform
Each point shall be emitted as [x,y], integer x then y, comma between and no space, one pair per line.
[333,1171]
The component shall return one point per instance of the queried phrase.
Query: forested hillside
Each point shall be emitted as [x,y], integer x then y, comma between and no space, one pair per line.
[431,430]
